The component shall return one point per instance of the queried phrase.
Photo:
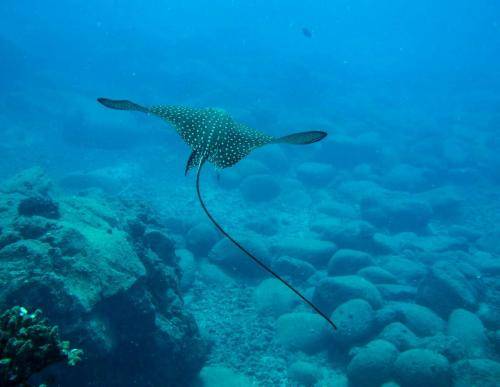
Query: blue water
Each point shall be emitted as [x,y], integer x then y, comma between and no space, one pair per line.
[398,207]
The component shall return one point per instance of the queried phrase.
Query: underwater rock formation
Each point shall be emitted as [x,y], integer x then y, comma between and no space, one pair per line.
[421,367]
[233,261]
[333,291]
[315,174]
[446,288]
[355,320]
[372,365]
[28,344]
[304,373]
[272,298]
[291,334]
[399,335]
[346,261]
[218,376]
[107,275]
[294,268]
[260,188]
[317,252]
[478,372]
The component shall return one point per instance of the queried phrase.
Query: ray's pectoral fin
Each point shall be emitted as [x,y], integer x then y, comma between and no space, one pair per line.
[193,161]
[301,138]
[122,104]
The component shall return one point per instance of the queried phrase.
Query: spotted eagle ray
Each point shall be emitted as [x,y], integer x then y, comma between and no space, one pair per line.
[214,136]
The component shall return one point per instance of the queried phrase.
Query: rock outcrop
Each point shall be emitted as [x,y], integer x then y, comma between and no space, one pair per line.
[106,274]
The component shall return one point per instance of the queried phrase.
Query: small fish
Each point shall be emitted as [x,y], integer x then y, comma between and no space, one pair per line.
[215,137]
[307,32]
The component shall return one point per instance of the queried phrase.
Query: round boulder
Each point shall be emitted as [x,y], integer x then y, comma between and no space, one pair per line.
[398,214]
[307,332]
[469,330]
[235,262]
[405,177]
[347,261]
[355,322]
[219,376]
[188,267]
[409,271]
[421,320]
[260,188]
[273,298]
[476,372]
[347,233]
[315,251]
[399,335]
[296,269]
[201,238]
[372,365]
[377,275]
[421,367]
[304,373]
[315,174]
[333,291]
[446,288]
[448,346]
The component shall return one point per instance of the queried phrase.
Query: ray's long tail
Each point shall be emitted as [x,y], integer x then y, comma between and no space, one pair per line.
[253,257]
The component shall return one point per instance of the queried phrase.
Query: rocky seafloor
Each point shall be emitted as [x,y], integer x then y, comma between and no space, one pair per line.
[405,260]
[406,263]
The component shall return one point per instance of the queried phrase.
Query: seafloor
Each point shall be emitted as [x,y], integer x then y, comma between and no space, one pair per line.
[394,233]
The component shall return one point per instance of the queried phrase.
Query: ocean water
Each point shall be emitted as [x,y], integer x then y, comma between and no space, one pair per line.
[389,225]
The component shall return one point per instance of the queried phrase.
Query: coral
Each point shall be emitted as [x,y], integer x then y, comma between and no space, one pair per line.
[28,344]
